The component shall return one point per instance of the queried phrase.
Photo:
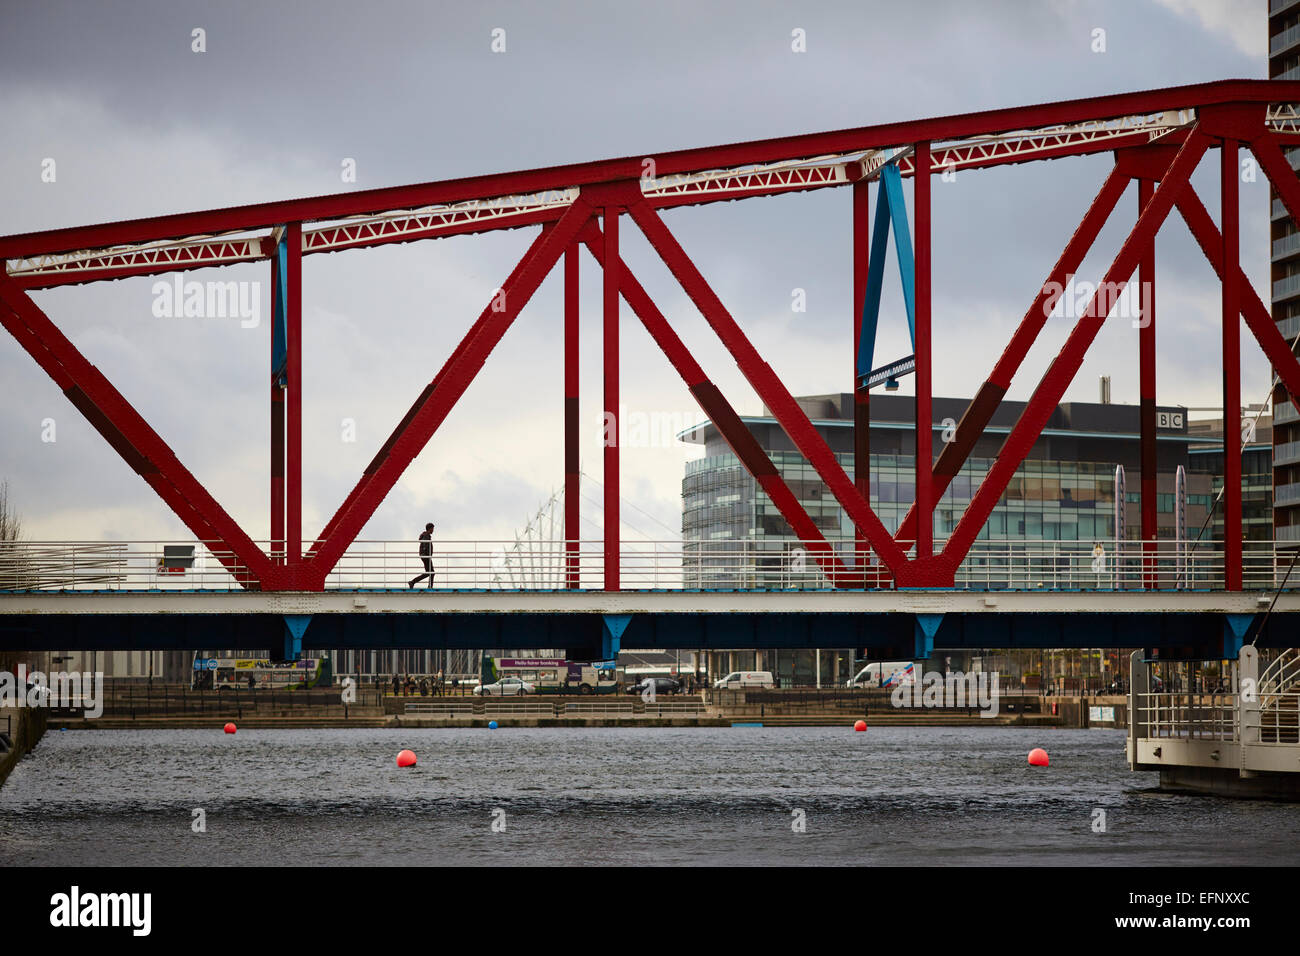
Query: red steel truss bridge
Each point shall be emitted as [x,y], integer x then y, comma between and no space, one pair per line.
[898,585]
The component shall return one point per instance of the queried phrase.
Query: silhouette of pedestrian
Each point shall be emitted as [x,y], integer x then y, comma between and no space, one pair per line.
[426,555]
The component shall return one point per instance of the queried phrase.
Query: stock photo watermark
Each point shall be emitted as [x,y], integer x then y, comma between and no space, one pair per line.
[179,299]
[57,690]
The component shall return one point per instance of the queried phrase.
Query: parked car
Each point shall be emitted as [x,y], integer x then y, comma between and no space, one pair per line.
[506,687]
[662,685]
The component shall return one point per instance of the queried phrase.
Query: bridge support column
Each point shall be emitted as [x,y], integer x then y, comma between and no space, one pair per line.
[924,629]
[293,403]
[294,626]
[861,393]
[925,500]
[1232,559]
[277,407]
[1139,684]
[611,634]
[1247,702]
[572,490]
[1235,627]
[1147,395]
[613,267]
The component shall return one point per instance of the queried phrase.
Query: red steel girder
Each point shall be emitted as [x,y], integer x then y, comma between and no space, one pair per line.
[1147,397]
[572,476]
[612,423]
[1066,364]
[1229,213]
[376,201]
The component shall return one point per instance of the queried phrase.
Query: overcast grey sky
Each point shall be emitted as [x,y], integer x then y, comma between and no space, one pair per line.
[138,124]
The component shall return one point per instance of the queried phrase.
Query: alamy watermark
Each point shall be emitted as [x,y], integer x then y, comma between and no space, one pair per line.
[65,690]
[179,299]
[954,689]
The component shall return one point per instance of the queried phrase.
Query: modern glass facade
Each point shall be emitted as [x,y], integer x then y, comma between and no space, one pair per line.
[1064,491]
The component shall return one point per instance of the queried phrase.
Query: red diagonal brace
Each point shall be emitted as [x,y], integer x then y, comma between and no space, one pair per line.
[770,389]
[721,413]
[438,398]
[986,400]
[129,434]
[1064,367]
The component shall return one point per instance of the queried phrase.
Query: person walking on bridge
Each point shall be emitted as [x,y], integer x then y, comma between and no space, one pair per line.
[426,555]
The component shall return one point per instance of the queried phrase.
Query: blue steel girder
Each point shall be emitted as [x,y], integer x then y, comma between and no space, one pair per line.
[294,627]
[279,311]
[891,210]
[611,634]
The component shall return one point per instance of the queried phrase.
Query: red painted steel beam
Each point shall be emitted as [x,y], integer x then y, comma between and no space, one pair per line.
[965,156]
[925,497]
[277,439]
[370,202]
[980,411]
[1064,367]
[128,433]
[769,387]
[1147,396]
[861,394]
[1276,348]
[719,411]
[438,398]
[1229,214]
[613,421]
[293,396]
[572,489]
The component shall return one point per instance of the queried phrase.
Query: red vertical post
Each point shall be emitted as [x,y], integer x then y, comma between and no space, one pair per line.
[924,430]
[1147,395]
[277,436]
[861,395]
[1231,370]
[293,403]
[612,277]
[571,479]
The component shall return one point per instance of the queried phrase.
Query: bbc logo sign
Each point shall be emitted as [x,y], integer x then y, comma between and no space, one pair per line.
[1169,420]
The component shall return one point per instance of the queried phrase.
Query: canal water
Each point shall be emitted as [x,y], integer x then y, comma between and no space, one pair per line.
[730,796]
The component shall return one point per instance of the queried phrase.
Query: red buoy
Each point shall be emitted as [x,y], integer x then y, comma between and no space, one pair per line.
[230,728]
[1038,757]
[860,726]
[406,758]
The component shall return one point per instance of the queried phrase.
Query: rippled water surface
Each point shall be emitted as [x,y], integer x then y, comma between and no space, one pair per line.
[613,795]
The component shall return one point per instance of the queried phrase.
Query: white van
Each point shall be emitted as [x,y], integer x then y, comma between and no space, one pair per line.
[884,674]
[737,679]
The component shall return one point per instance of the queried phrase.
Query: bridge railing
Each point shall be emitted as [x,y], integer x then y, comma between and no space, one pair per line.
[742,564]
[1213,716]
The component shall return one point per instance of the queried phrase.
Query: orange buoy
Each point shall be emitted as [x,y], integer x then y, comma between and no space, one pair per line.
[1038,757]
[406,758]
[230,727]
[860,726]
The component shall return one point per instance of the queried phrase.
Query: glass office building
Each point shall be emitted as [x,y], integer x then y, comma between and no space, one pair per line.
[1063,492]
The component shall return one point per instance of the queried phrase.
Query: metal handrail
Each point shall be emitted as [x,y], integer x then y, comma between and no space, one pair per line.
[740,564]
[1189,715]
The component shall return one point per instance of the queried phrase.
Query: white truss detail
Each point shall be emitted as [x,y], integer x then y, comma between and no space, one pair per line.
[431,220]
[684,188]
[196,252]
[768,178]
